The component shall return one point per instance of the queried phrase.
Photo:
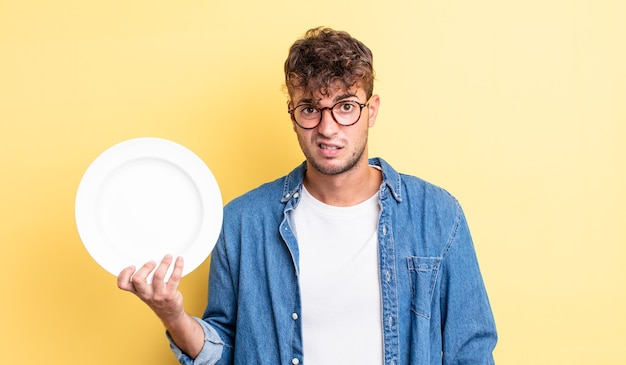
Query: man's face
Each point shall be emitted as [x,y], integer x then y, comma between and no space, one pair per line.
[331,148]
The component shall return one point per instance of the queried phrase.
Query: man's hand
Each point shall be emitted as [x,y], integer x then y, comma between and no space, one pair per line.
[162,297]
[165,300]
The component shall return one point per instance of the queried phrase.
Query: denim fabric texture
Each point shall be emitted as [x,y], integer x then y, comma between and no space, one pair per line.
[435,307]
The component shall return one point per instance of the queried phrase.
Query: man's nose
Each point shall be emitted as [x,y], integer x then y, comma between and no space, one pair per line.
[328,124]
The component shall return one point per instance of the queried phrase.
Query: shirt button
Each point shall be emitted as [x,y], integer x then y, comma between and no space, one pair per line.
[287,196]
[295,361]
[387,276]
[295,195]
[294,316]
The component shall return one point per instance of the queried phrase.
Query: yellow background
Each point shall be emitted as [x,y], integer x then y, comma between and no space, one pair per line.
[516,107]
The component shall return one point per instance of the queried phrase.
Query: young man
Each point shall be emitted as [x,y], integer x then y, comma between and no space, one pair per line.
[344,260]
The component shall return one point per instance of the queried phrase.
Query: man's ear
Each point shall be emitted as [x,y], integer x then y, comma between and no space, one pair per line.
[372,108]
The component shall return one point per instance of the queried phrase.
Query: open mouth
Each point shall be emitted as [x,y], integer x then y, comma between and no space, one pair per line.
[328,147]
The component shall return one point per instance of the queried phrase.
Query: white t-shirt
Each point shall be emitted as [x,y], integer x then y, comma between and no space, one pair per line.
[341,301]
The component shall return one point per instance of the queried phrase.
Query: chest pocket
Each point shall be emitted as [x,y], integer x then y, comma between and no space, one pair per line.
[423,273]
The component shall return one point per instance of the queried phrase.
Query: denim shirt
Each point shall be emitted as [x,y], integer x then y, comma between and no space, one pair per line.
[435,308]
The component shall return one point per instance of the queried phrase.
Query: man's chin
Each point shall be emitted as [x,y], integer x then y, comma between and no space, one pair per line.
[331,167]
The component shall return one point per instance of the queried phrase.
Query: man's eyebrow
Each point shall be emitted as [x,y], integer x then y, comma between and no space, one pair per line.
[306,101]
[311,101]
[344,96]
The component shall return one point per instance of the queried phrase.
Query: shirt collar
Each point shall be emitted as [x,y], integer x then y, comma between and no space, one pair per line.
[391,180]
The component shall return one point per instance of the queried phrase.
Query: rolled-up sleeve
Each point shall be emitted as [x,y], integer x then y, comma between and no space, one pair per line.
[211,350]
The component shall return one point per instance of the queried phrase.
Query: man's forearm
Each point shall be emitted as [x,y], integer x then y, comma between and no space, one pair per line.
[187,334]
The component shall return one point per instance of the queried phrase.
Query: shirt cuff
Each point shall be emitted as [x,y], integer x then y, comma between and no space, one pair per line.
[211,350]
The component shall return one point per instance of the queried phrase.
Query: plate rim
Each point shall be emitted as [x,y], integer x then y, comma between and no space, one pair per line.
[150,147]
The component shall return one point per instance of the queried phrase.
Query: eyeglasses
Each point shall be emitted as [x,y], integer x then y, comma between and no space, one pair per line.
[345,113]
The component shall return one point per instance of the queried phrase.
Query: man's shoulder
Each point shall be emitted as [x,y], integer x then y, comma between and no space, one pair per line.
[409,186]
[272,193]
[428,192]
[262,195]
[416,182]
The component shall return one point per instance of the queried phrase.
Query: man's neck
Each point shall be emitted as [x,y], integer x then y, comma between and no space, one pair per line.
[346,189]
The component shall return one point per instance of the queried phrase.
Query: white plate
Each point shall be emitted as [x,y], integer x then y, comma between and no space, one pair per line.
[144,198]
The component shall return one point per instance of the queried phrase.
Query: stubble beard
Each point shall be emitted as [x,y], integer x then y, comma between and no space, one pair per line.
[336,170]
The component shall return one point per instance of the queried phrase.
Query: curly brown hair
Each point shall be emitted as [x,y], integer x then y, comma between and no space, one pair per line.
[323,57]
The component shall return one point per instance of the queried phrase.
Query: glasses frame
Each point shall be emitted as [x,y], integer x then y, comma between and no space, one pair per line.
[330,108]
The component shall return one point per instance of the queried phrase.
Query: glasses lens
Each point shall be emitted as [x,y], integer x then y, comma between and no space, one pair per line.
[346,112]
[307,116]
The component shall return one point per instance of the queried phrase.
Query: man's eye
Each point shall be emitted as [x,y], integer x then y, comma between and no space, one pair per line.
[308,110]
[346,107]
